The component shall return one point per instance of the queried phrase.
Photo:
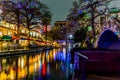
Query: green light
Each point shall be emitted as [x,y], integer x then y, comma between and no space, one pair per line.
[89,28]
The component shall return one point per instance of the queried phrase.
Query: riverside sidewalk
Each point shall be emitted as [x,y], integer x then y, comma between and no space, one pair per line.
[17,52]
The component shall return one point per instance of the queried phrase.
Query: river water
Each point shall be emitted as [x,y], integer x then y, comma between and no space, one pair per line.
[47,65]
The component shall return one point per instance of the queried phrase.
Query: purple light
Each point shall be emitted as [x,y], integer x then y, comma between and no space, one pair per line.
[20,17]
[19,5]
[33,3]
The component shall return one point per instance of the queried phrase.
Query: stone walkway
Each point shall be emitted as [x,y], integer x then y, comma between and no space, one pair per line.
[97,77]
[19,51]
[102,77]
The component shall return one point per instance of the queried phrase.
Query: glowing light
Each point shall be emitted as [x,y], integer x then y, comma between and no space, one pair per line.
[89,28]
[44,69]
[12,74]
[4,61]
[80,12]
[35,67]
[22,63]
[3,76]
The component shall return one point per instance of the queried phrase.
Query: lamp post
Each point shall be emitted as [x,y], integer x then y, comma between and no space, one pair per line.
[70,40]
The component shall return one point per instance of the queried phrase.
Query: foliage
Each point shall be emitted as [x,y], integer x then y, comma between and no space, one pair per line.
[55,35]
[80,35]
[85,12]
[25,12]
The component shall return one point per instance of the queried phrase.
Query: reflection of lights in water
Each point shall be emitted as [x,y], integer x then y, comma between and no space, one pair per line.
[44,69]
[61,55]
[54,53]
[48,59]
[40,56]
[48,69]
[35,66]
[69,46]
[43,60]
[30,59]
[64,53]
[62,67]
[0,68]
[50,56]
[22,69]
[12,74]
[22,63]
[35,59]
[18,62]
[31,68]
[3,76]
[56,66]
[40,64]
[47,52]
[23,73]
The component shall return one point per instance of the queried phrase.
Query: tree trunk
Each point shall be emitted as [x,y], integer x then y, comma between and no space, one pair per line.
[28,25]
[18,27]
[92,22]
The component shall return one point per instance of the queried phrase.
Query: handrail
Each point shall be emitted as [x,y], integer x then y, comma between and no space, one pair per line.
[81,55]
[82,66]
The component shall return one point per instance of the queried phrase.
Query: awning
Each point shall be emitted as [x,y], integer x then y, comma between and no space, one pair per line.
[15,38]
[23,38]
[6,37]
[29,39]
[38,40]
[0,38]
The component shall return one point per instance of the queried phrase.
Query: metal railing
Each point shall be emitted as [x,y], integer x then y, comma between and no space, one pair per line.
[79,66]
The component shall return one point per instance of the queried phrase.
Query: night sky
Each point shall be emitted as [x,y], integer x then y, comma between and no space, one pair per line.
[60,8]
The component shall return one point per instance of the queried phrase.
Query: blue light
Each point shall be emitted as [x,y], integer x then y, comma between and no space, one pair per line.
[85,0]
[117,33]
[80,12]
[70,35]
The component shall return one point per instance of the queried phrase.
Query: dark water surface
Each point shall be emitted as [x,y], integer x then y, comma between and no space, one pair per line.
[47,65]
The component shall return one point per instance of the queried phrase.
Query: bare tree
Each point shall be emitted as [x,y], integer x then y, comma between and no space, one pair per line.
[11,13]
[85,12]
[25,12]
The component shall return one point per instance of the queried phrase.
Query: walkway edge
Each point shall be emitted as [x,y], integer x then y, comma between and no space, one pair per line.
[10,53]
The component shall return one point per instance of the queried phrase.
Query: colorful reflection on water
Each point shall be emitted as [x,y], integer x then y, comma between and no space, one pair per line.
[47,65]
